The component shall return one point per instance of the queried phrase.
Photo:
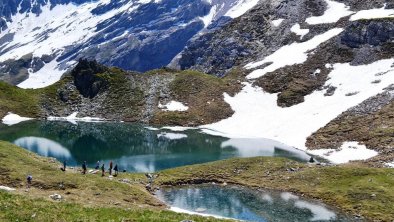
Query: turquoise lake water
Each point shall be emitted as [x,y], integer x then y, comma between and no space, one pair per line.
[133,147]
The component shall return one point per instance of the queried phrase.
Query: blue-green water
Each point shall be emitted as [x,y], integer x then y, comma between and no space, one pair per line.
[134,147]
[244,204]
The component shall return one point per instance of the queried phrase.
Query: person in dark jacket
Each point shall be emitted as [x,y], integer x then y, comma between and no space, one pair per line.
[116,170]
[29,179]
[64,165]
[110,168]
[103,170]
[84,167]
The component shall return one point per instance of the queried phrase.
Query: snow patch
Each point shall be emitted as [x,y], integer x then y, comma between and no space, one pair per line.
[173,106]
[298,31]
[74,119]
[177,128]
[151,128]
[373,14]
[334,12]
[296,53]
[277,22]
[171,136]
[46,76]
[241,8]
[347,152]
[7,188]
[209,18]
[258,116]
[391,165]
[12,119]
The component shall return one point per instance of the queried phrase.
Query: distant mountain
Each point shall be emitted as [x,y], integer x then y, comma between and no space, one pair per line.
[44,38]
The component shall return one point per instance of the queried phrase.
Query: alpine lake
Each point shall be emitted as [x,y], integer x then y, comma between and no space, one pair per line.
[137,148]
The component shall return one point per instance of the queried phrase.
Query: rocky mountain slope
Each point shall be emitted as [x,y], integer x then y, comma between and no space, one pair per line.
[42,39]
[163,97]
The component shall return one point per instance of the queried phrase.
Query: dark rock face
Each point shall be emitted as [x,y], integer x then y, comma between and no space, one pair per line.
[370,32]
[86,80]
[248,37]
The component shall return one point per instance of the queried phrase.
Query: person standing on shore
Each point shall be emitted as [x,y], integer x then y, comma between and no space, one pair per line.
[102,170]
[97,165]
[110,168]
[84,167]
[116,170]
[64,165]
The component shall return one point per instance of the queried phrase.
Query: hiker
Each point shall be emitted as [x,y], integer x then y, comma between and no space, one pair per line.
[97,165]
[311,160]
[110,168]
[116,170]
[102,170]
[29,179]
[84,168]
[64,165]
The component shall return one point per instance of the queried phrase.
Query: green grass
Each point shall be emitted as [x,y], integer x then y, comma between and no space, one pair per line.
[20,101]
[21,208]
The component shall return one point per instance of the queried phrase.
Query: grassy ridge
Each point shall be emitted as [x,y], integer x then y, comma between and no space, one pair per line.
[14,99]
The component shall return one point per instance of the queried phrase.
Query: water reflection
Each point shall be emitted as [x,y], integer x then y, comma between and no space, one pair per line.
[44,147]
[133,147]
[243,204]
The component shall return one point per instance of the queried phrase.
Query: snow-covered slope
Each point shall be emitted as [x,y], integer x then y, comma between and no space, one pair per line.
[298,88]
[50,36]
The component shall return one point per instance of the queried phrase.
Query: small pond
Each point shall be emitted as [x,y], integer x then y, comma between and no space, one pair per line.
[245,204]
[133,147]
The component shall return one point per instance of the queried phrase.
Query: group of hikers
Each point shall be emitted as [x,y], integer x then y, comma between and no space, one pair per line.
[111,168]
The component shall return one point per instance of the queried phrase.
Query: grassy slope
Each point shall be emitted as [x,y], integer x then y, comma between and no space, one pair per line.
[203,94]
[87,197]
[14,99]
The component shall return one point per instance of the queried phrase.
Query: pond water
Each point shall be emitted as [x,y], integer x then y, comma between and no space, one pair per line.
[245,204]
[134,147]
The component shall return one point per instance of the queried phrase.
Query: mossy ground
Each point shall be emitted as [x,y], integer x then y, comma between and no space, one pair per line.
[356,189]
